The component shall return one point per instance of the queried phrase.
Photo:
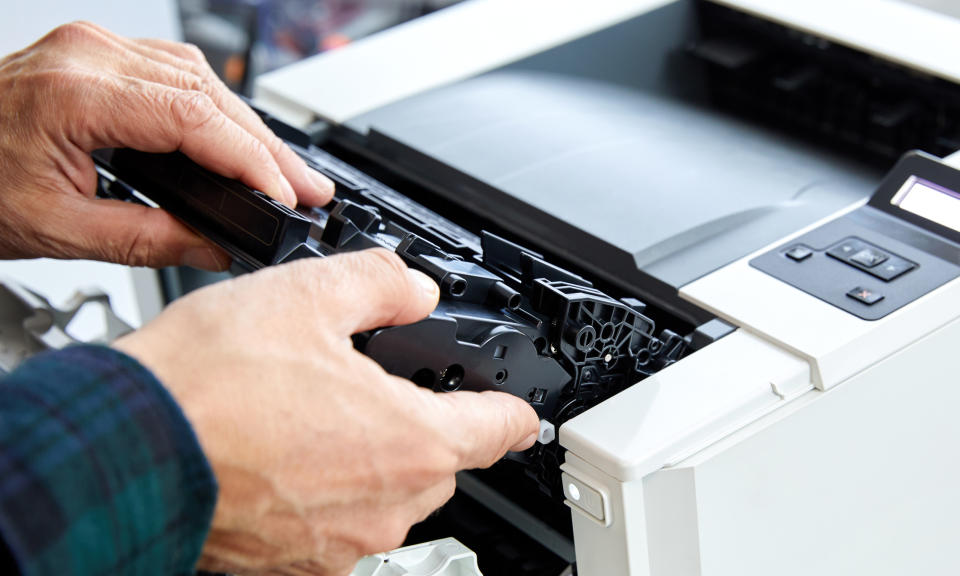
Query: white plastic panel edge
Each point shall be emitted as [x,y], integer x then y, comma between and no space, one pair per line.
[619,548]
[478,36]
[859,479]
[686,406]
[446,46]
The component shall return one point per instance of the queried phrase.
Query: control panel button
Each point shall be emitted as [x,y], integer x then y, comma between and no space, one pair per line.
[846,249]
[893,268]
[865,295]
[869,257]
[799,253]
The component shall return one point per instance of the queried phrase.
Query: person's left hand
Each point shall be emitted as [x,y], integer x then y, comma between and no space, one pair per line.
[81,88]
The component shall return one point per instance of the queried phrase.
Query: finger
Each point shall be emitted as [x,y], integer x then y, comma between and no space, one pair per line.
[147,116]
[185,67]
[190,71]
[130,234]
[484,426]
[365,290]
[189,52]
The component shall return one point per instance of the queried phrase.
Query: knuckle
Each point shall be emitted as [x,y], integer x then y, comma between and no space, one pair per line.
[91,26]
[192,109]
[193,53]
[71,33]
[133,251]
[136,249]
[193,82]
[203,70]
[384,262]
[259,158]
[141,250]
[275,146]
[259,151]
[389,277]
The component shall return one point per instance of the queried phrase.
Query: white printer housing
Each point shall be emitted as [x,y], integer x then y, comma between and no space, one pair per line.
[809,441]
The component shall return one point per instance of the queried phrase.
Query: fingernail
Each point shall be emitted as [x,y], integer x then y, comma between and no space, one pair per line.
[323,184]
[429,287]
[289,196]
[202,258]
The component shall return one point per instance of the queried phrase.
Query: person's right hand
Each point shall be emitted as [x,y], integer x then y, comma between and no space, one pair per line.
[321,456]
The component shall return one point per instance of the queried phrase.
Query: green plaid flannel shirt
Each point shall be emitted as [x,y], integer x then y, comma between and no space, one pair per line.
[100,472]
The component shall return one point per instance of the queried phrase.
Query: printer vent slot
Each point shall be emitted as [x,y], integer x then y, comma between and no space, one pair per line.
[853,102]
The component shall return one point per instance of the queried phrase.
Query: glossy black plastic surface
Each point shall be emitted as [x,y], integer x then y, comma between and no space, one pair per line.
[507,319]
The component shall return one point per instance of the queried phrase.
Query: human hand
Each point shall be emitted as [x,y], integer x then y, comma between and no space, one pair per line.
[321,456]
[81,88]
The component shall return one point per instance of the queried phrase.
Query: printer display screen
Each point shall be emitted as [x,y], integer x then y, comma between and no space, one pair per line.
[930,201]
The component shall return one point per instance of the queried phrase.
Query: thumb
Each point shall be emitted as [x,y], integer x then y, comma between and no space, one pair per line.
[368,289]
[130,234]
[485,425]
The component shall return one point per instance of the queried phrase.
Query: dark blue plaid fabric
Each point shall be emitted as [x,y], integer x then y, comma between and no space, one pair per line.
[100,472]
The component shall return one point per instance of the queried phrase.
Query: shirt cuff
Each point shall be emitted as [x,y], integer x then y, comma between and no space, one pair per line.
[100,471]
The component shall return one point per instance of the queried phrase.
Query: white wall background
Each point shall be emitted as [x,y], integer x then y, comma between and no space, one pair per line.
[21,24]
[25,21]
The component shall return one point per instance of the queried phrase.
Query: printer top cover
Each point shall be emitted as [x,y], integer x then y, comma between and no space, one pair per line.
[612,134]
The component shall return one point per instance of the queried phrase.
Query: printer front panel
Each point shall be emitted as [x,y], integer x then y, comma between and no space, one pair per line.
[843,473]
[860,479]
[851,478]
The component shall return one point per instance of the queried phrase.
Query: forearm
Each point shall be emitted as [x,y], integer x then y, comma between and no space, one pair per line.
[100,472]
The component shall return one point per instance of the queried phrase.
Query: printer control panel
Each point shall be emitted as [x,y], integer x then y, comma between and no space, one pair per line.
[870,262]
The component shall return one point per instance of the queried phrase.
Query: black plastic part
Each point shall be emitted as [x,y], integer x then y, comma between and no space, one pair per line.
[501,547]
[709,333]
[810,86]
[249,225]
[576,248]
[507,319]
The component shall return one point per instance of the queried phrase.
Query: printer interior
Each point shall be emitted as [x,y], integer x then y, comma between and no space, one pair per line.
[643,156]
[583,149]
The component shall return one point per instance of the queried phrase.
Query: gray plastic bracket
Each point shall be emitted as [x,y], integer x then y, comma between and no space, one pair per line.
[446,557]
[29,324]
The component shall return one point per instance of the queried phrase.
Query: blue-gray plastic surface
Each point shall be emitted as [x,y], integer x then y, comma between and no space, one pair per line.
[611,134]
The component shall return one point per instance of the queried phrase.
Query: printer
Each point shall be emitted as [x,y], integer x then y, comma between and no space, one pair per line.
[745,169]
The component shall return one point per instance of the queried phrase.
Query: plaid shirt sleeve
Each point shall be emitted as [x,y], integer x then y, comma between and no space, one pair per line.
[100,472]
